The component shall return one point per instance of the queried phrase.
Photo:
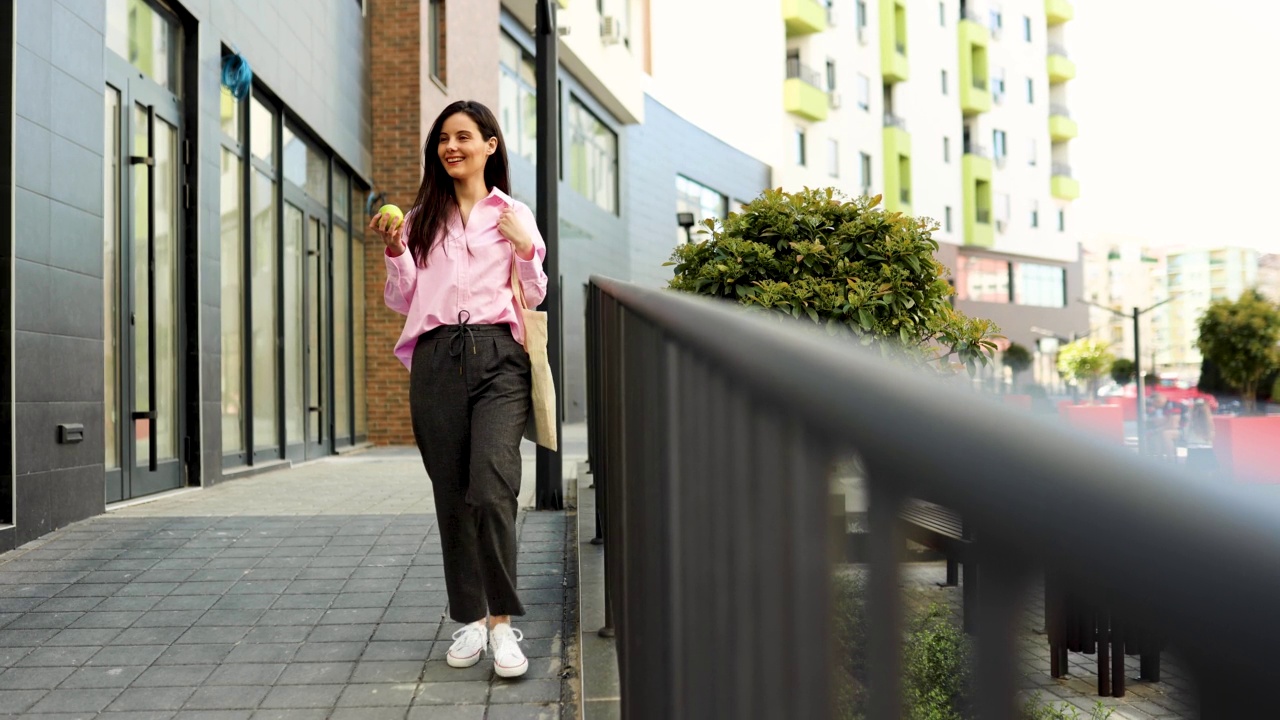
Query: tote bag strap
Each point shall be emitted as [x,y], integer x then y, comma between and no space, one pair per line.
[517,287]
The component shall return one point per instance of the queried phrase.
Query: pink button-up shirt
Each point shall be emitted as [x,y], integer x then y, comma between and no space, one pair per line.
[468,269]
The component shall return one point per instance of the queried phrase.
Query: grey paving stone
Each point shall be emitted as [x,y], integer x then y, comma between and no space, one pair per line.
[423,614]
[406,631]
[75,701]
[263,653]
[151,698]
[25,638]
[215,635]
[291,616]
[306,602]
[303,696]
[398,650]
[372,585]
[445,712]
[329,652]
[378,695]
[244,602]
[63,656]
[278,634]
[133,603]
[168,618]
[397,671]
[174,676]
[69,604]
[314,587]
[33,678]
[123,655]
[227,697]
[187,602]
[342,633]
[246,674]
[316,673]
[203,588]
[523,712]
[440,671]
[368,713]
[223,618]
[290,714]
[106,676]
[18,701]
[350,600]
[194,654]
[42,620]
[352,616]
[453,693]
[106,620]
[146,635]
[212,714]
[137,715]
[524,691]
[139,589]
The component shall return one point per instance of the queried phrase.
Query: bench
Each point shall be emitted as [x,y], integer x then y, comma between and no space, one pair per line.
[942,530]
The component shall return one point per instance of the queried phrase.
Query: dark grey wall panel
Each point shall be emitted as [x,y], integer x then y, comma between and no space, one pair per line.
[663,147]
[50,500]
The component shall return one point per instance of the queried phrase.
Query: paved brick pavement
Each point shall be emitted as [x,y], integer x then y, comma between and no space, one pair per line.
[315,592]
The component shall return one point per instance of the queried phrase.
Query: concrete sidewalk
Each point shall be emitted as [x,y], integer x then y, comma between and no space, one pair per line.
[315,592]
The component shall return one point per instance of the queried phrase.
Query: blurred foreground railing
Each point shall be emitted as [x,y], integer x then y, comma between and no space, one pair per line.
[712,435]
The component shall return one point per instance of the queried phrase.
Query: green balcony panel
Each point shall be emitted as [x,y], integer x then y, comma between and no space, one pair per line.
[975,83]
[1062,128]
[801,98]
[1064,188]
[1059,11]
[979,229]
[897,170]
[804,17]
[893,41]
[1061,69]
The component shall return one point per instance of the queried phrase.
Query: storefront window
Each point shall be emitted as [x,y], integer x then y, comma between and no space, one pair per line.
[1040,285]
[982,279]
[593,157]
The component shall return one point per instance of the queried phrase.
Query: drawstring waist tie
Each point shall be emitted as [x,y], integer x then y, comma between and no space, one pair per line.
[458,335]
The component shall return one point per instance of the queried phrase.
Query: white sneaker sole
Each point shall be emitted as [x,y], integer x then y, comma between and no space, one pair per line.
[458,662]
[510,672]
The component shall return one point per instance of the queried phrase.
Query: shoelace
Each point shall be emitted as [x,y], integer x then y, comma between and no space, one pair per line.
[514,634]
[458,340]
[461,633]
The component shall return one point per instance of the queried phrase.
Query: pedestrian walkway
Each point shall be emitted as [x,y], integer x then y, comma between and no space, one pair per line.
[315,592]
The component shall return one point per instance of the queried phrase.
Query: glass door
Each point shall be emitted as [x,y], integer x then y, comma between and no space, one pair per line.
[141,300]
[316,306]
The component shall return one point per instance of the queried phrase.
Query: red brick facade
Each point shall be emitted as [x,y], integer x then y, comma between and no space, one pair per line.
[405,102]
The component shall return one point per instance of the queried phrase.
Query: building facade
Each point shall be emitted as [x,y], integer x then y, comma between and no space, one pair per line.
[1121,275]
[1194,278]
[179,264]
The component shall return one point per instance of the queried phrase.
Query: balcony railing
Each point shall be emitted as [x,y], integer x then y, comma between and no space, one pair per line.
[712,433]
[904,194]
[1055,49]
[900,46]
[893,121]
[980,83]
[1061,170]
[1060,110]
[798,70]
[983,216]
[972,148]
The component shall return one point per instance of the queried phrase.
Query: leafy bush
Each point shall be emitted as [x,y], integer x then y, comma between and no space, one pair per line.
[1018,358]
[1242,338]
[1036,709]
[842,264]
[1123,371]
[1085,361]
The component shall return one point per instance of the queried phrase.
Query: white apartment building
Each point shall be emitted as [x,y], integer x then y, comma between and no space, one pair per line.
[1122,275]
[957,110]
[1194,278]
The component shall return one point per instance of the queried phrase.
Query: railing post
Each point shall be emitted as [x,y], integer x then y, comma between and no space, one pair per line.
[884,611]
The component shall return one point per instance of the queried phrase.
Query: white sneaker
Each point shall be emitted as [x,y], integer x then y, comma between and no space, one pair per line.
[468,645]
[508,660]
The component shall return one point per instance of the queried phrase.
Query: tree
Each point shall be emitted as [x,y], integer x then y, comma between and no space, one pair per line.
[1123,371]
[1018,359]
[1242,339]
[845,265]
[1085,361]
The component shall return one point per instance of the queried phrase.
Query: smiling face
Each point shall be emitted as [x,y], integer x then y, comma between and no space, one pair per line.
[462,147]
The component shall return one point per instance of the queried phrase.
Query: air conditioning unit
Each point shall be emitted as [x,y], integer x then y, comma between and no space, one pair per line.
[835,99]
[610,30]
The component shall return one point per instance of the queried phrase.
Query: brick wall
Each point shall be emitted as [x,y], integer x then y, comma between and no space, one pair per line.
[406,101]
[396,75]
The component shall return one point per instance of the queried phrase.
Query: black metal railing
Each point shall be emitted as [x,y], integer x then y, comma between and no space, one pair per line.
[712,433]
[796,69]
[972,148]
[1061,169]
[893,121]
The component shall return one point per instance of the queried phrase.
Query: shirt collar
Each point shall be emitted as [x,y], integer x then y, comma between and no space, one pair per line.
[505,198]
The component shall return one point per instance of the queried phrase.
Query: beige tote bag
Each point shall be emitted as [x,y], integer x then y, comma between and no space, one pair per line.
[542,411]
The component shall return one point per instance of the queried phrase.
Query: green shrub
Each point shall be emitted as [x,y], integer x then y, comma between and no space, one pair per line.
[1036,709]
[1242,338]
[842,264]
[1123,371]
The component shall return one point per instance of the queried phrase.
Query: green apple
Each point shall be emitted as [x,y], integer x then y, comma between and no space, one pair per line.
[393,212]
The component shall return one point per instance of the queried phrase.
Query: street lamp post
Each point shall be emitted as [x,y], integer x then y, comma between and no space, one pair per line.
[1137,362]
[550,471]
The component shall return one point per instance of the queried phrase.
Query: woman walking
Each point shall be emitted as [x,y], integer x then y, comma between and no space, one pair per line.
[449,270]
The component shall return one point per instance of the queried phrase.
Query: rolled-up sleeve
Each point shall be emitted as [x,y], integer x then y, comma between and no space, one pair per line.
[532,277]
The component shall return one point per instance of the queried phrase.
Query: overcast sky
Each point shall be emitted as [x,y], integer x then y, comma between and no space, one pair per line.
[1179,111]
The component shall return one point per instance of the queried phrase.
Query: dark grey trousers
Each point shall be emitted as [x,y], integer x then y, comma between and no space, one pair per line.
[469,398]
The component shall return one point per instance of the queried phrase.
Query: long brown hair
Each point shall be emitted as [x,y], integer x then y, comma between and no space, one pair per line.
[436,199]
